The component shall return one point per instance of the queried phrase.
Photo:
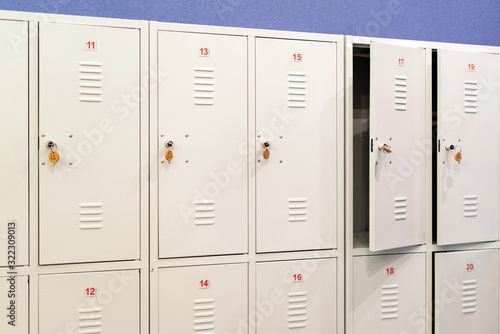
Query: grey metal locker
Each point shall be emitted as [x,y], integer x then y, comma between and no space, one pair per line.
[14,133]
[202,124]
[295,145]
[468,147]
[296,297]
[204,299]
[466,292]
[389,294]
[89,303]
[90,95]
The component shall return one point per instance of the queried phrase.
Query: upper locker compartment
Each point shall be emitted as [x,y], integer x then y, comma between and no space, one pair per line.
[202,143]
[14,133]
[467,158]
[397,147]
[296,145]
[89,115]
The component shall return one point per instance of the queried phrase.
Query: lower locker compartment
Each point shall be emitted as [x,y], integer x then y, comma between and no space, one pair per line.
[296,297]
[204,299]
[389,294]
[90,303]
[466,292]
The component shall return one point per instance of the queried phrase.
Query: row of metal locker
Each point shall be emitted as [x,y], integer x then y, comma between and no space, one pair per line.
[236,126]
[89,120]
[90,141]
[299,295]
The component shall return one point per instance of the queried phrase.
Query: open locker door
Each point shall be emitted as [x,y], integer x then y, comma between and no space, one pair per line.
[397,150]
[467,158]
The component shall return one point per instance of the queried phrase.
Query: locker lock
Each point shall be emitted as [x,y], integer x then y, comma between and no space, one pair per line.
[385,148]
[458,153]
[53,155]
[169,154]
[267,147]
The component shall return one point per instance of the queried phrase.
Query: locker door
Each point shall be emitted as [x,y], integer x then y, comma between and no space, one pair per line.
[14,133]
[389,294]
[203,116]
[466,297]
[14,300]
[398,155]
[204,299]
[89,107]
[296,297]
[467,190]
[296,118]
[98,302]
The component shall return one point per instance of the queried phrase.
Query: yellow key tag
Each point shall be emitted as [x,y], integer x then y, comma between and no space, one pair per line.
[458,156]
[169,155]
[53,157]
[266,154]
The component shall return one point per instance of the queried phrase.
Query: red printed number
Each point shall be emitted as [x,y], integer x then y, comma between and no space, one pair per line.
[471,67]
[204,52]
[297,57]
[90,291]
[297,277]
[204,283]
[389,271]
[91,45]
[470,266]
[401,61]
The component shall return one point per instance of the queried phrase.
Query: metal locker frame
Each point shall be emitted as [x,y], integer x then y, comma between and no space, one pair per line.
[33,269]
[251,257]
[360,246]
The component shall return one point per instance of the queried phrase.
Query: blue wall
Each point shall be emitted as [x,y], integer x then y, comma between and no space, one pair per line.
[454,21]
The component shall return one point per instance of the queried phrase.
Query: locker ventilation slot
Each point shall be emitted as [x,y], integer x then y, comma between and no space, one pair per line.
[204,212]
[400,93]
[297,210]
[90,81]
[390,301]
[470,205]
[297,310]
[204,316]
[400,208]
[90,320]
[91,216]
[469,296]
[204,86]
[471,96]
[297,89]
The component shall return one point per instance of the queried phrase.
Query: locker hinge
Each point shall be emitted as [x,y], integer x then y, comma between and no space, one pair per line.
[372,146]
[439,145]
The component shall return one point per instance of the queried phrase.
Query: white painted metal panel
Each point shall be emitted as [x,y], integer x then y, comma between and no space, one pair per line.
[466,292]
[89,106]
[88,303]
[204,299]
[468,107]
[203,192]
[389,294]
[296,297]
[14,134]
[296,113]
[14,304]
[397,122]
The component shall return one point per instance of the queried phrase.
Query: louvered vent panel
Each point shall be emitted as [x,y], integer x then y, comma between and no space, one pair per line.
[204,86]
[91,78]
